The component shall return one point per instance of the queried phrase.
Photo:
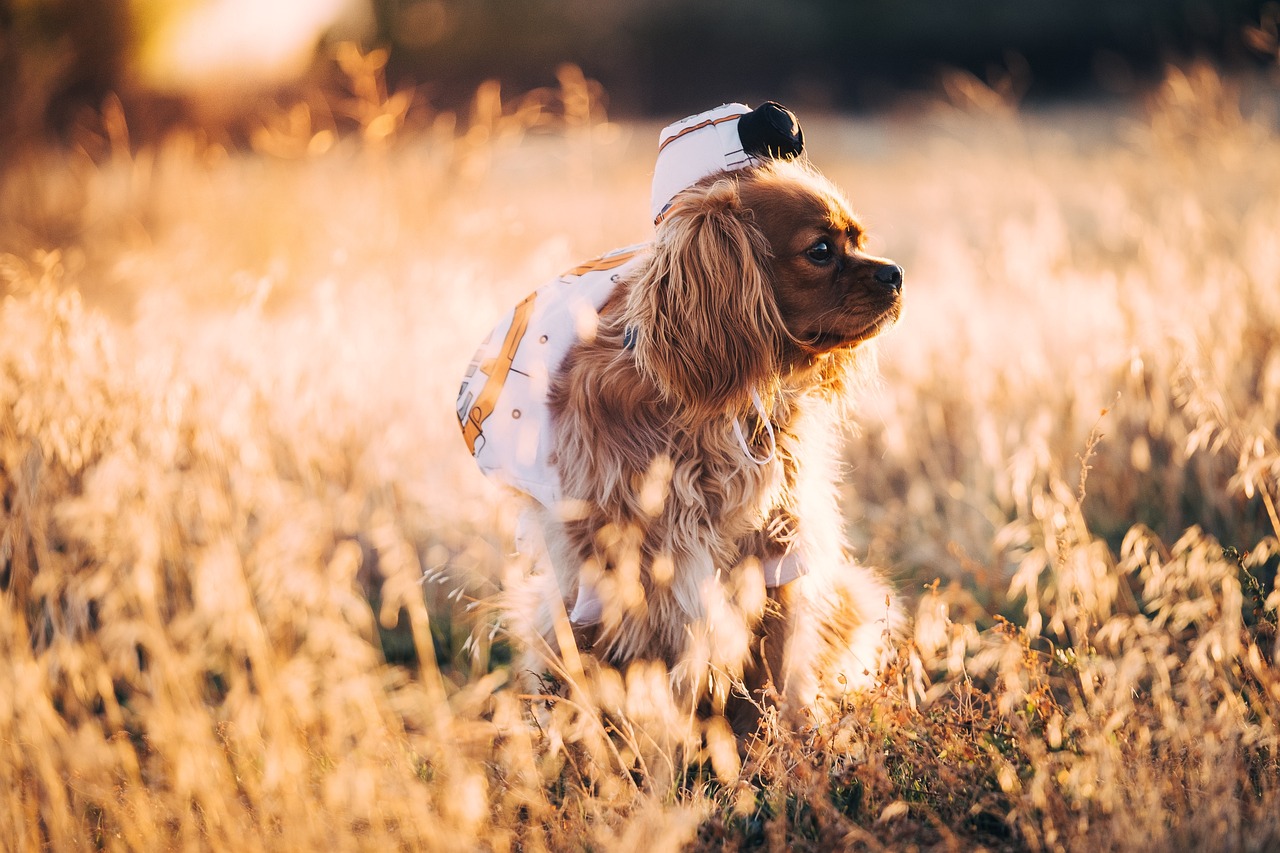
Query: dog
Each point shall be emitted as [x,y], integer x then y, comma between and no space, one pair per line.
[695,437]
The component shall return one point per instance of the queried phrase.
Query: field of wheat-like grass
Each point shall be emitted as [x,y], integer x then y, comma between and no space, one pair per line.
[245,556]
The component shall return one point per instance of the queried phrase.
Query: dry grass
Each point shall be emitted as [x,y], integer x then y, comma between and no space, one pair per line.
[239,527]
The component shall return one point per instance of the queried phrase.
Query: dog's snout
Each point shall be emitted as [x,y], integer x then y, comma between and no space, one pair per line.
[890,275]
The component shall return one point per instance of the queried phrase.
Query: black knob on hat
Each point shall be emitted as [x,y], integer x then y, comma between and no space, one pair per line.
[771,130]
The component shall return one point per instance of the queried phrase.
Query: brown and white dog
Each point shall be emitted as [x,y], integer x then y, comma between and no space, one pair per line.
[695,437]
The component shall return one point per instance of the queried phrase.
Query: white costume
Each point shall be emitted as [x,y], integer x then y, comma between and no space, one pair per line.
[502,405]
[503,401]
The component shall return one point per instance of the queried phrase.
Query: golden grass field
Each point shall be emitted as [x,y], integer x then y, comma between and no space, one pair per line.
[245,556]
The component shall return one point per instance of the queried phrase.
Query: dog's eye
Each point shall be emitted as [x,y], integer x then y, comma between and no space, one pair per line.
[820,252]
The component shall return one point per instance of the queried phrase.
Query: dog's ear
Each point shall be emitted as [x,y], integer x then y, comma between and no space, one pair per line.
[706,327]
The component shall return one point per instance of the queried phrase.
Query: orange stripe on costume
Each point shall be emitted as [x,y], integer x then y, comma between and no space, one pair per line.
[671,208]
[607,262]
[497,369]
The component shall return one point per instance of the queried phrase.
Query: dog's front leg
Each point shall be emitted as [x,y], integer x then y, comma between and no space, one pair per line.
[772,558]
[764,674]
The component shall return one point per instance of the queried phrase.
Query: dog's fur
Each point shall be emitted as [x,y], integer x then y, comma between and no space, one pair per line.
[757,282]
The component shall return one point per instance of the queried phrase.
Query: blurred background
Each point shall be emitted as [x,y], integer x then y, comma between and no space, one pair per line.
[205,60]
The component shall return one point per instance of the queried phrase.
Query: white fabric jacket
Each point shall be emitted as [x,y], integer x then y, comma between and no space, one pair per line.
[502,404]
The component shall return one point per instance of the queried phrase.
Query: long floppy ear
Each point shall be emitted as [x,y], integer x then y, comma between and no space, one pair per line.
[707,329]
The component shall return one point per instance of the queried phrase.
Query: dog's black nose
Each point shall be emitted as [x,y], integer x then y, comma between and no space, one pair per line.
[891,275]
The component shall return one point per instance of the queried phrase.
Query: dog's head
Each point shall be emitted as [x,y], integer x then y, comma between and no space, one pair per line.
[756,275]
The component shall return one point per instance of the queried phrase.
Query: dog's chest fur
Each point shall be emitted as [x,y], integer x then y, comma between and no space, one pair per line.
[733,496]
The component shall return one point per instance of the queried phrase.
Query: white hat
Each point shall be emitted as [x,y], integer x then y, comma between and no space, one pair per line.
[731,136]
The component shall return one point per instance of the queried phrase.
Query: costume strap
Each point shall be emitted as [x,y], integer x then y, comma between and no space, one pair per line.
[768,428]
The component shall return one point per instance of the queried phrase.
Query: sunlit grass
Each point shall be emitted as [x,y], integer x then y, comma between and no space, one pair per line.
[239,526]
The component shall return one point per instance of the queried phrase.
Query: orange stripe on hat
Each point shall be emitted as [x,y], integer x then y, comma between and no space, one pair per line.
[699,126]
